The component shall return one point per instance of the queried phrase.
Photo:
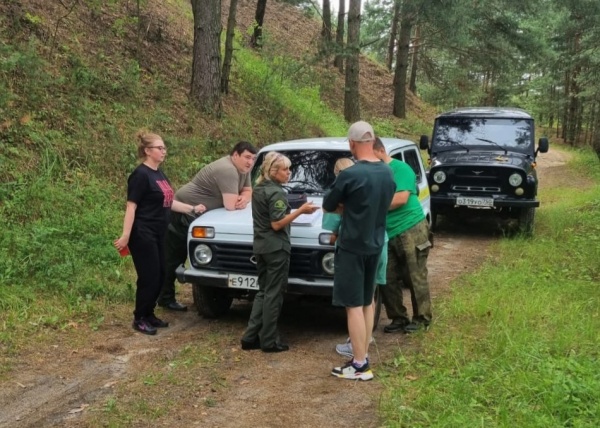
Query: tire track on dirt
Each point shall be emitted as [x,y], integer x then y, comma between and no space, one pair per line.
[58,385]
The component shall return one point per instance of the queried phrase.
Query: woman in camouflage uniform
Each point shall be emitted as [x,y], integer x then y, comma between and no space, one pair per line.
[271,221]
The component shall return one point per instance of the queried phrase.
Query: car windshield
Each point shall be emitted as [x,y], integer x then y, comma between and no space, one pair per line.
[312,170]
[465,133]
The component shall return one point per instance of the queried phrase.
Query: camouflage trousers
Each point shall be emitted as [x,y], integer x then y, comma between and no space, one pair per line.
[407,263]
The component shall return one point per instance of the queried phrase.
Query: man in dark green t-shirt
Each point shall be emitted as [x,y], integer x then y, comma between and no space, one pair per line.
[408,247]
[365,191]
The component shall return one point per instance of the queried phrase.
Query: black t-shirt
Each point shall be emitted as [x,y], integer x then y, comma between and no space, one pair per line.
[152,193]
[366,190]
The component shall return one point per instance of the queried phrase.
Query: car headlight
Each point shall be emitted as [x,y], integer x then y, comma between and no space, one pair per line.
[325,238]
[439,177]
[327,263]
[203,254]
[515,179]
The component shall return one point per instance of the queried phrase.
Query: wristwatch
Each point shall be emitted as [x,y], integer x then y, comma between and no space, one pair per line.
[194,212]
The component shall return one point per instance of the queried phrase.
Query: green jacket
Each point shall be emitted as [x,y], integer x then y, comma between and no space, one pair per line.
[269,204]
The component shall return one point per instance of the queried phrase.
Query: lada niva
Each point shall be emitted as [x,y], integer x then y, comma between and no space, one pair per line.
[221,263]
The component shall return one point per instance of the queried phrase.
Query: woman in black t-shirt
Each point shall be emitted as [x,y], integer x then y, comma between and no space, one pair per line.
[149,205]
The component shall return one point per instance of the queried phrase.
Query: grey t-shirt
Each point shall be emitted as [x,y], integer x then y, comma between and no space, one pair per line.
[211,182]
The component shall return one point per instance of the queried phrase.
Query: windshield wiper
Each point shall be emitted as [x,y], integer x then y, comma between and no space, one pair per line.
[494,143]
[304,187]
[454,143]
[306,190]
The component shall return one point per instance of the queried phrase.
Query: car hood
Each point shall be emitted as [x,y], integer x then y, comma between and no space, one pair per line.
[239,222]
[487,158]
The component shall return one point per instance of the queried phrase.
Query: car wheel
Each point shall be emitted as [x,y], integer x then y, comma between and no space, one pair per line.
[434,216]
[211,302]
[378,299]
[526,219]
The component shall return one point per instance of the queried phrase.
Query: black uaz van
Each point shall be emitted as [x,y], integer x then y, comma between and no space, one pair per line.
[483,158]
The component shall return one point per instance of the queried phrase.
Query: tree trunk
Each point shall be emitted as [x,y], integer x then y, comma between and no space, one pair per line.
[564,108]
[351,90]
[393,35]
[596,136]
[415,61]
[406,22]
[552,103]
[228,47]
[574,95]
[339,37]
[326,29]
[259,18]
[206,62]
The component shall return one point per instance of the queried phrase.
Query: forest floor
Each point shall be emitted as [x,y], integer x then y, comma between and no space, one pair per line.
[68,378]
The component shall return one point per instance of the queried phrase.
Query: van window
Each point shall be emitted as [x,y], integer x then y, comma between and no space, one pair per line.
[411,157]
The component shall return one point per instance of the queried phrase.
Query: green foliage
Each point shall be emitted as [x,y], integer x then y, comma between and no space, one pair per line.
[516,345]
[375,28]
[293,106]
[66,148]
[18,66]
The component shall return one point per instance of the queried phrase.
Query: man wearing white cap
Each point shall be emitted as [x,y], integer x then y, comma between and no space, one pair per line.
[365,191]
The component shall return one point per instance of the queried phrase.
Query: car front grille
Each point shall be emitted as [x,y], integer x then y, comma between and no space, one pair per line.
[475,189]
[479,179]
[304,262]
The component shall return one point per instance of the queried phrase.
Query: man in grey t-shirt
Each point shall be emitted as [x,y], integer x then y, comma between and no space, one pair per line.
[222,183]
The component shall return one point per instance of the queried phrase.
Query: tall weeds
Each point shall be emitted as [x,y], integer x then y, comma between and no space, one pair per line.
[517,343]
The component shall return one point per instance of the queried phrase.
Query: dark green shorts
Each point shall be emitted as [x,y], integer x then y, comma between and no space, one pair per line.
[354,279]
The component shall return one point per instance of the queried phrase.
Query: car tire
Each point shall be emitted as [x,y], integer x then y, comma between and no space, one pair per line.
[434,218]
[378,299]
[526,220]
[211,302]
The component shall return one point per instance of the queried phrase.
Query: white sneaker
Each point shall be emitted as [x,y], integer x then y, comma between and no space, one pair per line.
[345,349]
[350,371]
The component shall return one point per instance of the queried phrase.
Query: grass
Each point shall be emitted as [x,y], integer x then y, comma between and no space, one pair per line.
[517,343]
[188,374]
[66,148]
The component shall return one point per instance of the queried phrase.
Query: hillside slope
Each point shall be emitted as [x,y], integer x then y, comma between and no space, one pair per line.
[107,41]
[78,79]
[298,35]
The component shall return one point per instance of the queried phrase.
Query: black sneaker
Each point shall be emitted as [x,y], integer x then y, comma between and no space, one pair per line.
[415,327]
[249,346]
[396,325]
[143,326]
[173,306]
[156,322]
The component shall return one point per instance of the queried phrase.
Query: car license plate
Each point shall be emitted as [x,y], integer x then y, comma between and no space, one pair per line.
[242,281]
[475,202]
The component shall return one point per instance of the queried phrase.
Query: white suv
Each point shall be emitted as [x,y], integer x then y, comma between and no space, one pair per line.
[221,263]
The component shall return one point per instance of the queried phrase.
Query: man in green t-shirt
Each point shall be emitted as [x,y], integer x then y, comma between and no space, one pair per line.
[408,247]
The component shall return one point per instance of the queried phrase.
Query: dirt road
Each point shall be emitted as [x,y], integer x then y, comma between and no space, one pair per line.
[80,377]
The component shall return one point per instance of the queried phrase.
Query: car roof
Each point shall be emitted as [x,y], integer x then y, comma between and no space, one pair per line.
[331,143]
[499,112]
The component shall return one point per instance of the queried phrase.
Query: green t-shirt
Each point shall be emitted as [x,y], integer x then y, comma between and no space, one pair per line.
[366,190]
[403,218]
[269,204]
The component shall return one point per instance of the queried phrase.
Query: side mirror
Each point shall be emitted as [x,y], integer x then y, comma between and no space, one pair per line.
[542,145]
[424,143]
